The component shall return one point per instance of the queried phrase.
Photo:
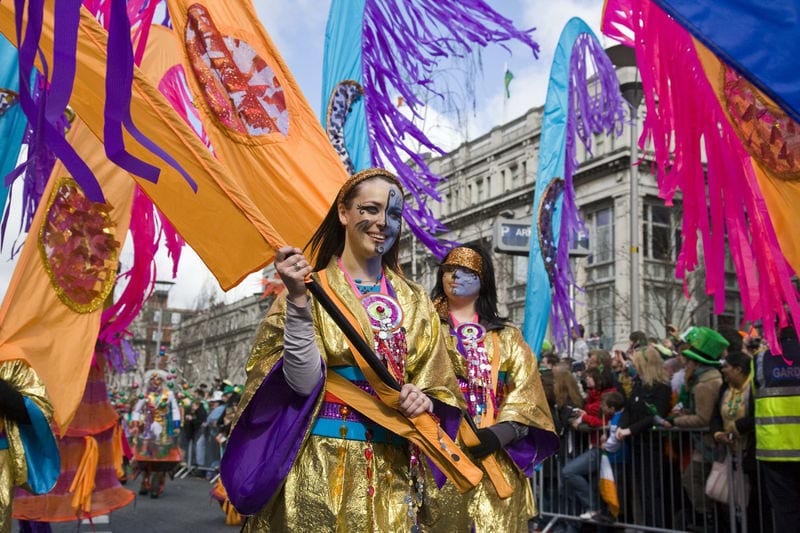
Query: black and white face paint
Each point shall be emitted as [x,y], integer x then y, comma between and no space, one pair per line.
[376,216]
[393,216]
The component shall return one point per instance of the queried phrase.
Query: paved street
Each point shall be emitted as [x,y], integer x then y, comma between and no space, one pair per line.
[185,507]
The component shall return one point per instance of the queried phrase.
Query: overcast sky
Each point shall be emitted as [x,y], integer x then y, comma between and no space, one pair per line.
[298,30]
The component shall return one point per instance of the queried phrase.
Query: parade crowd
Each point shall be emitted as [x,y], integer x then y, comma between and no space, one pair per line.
[665,411]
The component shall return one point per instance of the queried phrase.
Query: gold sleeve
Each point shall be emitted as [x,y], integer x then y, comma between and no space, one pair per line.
[524,401]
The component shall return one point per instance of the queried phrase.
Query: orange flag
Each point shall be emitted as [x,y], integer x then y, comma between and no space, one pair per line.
[50,316]
[259,122]
[219,221]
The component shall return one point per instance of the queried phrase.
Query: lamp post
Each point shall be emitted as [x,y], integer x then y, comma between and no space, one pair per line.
[630,86]
[161,288]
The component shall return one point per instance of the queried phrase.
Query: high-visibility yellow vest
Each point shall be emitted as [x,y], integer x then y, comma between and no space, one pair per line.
[777,404]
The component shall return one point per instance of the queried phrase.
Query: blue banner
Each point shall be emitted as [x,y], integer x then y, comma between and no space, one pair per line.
[759,39]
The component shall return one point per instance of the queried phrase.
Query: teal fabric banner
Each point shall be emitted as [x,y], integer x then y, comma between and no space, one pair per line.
[342,61]
[552,154]
[13,121]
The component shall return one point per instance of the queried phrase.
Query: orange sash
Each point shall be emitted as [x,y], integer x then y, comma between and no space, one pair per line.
[422,430]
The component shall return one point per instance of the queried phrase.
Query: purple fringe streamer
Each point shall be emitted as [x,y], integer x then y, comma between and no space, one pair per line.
[593,109]
[402,42]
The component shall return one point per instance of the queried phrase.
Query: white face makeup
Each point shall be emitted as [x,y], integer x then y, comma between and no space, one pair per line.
[374,218]
[461,282]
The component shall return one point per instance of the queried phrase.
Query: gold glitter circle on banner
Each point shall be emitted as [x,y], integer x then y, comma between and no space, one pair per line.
[78,248]
[239,87]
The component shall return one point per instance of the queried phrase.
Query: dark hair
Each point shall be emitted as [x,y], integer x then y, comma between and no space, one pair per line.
[613,399]
[739,360]
[550,358]
[581,330]
[732,336]
[603,379]
[487,297]
[328,241]
[638,338]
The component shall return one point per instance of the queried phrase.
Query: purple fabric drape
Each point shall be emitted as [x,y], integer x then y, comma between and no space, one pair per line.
[529,452]
[266,440]
[449,420]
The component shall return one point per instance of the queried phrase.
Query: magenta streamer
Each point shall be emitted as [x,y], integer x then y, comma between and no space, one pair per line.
[722,202]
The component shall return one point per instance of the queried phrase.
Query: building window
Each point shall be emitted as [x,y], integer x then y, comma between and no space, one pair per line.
[661,237]
[600,224]
[732,316]
[480,189]
[517,315]
[601,314]
[519,269]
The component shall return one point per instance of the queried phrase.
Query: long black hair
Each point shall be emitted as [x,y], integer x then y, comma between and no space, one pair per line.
[329,239]
[487,296]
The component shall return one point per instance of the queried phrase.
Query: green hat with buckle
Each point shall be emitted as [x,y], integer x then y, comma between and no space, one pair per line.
[706,347]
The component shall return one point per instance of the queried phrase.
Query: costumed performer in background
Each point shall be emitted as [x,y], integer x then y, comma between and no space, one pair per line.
[499,376]
[156,422]
[346,473]
[28,451]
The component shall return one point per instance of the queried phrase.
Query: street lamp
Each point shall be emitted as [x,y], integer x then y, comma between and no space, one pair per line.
[631,88]
[161,293]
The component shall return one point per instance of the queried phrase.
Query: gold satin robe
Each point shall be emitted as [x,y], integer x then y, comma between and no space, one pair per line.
[525,403]
[13,469]
[321,493]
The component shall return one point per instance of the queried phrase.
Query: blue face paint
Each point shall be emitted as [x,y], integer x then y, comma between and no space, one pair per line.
[378,220]
[466,283]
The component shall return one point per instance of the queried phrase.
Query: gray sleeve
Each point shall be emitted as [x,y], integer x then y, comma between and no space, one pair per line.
[302,363]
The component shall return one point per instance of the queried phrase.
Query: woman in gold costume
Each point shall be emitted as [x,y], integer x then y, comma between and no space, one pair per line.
[302,456]
[499,376]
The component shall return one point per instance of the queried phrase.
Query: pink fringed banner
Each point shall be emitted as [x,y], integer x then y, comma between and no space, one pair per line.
[684,123]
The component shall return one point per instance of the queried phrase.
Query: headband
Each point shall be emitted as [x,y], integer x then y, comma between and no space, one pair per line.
[467,258]
[364,175]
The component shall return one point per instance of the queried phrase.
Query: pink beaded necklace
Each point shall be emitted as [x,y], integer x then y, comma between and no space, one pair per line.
[470,341]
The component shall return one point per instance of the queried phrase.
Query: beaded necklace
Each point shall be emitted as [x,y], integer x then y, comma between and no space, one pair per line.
[471,345]
[735,399]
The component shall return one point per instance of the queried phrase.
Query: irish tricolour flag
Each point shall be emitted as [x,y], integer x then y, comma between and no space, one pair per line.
[608,487]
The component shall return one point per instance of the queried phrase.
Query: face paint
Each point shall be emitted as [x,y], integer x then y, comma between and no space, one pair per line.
[465,282]
[375,218]
[392,218]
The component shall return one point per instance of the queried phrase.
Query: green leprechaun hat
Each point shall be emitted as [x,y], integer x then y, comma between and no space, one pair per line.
[707,346]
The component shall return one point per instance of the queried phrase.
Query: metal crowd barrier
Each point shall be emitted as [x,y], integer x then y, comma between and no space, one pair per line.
[660,486]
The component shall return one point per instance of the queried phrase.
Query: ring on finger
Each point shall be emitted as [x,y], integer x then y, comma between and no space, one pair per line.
[297,267]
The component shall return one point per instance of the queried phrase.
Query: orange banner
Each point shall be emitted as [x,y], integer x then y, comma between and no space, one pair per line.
[50,316]
[219,221]
[769,135]
[259,122]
